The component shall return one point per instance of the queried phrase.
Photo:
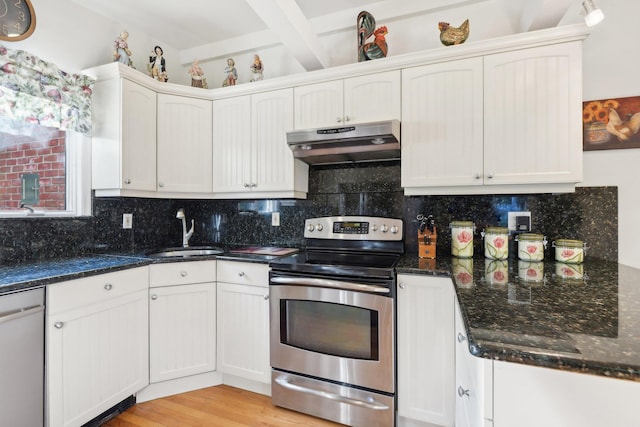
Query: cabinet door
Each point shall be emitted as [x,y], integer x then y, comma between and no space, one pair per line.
[97,355]
[272,159]
[426,371]
[532,115]
[442,124]
[318,105]
[373,97]
[184,144]
[232,144]
[243,331]
[182,331]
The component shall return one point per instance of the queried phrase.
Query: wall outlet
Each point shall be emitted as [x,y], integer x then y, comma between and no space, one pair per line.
[519,221]
[127,220]
[275,219]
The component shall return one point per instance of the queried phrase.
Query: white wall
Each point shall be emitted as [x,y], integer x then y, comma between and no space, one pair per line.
[75,39]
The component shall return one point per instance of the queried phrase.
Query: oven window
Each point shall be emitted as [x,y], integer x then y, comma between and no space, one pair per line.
[328,328]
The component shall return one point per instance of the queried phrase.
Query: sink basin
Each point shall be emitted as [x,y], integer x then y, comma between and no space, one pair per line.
[189,252]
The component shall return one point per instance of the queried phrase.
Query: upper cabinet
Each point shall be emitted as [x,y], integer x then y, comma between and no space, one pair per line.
[251,155]
[124,137]
[184,145]
[368,98]
[502,123]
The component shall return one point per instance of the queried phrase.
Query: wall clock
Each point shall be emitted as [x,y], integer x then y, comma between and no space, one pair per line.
[17,19]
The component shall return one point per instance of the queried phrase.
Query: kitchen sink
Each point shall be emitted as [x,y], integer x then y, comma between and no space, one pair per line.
[188,252]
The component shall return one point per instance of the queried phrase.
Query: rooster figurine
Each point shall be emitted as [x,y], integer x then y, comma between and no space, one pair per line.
[451,35]
[378,47]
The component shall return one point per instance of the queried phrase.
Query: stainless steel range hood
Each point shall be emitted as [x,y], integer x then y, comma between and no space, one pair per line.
[363,142]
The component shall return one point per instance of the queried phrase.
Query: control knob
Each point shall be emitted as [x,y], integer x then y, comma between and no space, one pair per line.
[319,227]
[384,228]
[311,227]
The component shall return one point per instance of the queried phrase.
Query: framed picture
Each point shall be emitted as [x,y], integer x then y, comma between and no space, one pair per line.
[611,124]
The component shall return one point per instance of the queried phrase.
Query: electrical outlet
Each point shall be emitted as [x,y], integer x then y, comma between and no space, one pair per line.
[275,219]
[127,220]
[512,221]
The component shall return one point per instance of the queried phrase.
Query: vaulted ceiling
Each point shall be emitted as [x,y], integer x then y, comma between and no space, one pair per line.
[198,27]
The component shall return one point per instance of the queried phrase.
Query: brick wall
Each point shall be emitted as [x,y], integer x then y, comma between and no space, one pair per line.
[22,154]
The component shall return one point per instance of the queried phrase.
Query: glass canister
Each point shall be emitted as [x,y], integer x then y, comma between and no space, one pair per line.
[569,251]
[496,242]
[531,246]
[462,238]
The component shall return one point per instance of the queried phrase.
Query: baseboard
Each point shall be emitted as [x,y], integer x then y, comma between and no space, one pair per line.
[179,385]
[245,384]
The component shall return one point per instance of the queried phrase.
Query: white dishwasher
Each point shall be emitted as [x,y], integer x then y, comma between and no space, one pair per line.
[22,358]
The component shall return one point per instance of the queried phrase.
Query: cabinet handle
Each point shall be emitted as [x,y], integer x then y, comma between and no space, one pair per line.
[401,286]
[161,184]
[247,185]
[154,297]
[461,337]
[347,118]
[490,176]
[463,391]
[253,185]
[108,287]
[266,297]
[478,176]
[58,325]
[127,181]
[241,274]
[183,273]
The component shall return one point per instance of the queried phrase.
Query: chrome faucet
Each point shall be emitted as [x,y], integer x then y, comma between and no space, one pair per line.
[186,235]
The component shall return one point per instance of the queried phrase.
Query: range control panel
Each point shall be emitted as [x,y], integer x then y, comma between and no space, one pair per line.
[353,228]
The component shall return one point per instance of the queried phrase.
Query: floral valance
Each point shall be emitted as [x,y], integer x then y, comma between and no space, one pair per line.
[36,91]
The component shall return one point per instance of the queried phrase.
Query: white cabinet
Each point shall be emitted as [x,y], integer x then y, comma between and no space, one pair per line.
[184,145]
[502,123]
[426,371]
[367,98]
[251,155]
[474,385]
[528,396]
[243,320]
[123,137]
[97,344]
[182,319]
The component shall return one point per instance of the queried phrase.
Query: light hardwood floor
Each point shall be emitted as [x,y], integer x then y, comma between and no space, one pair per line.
[220,406]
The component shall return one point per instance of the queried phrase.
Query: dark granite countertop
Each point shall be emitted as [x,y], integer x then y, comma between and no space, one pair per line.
[582,318]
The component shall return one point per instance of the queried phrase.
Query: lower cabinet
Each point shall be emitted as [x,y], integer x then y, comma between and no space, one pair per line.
[182,320]
[97,344]
[243,320]
[426,370]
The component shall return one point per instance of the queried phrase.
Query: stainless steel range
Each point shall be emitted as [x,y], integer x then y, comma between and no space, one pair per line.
[333,349]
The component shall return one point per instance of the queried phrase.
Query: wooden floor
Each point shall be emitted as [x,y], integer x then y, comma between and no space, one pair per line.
[220,406]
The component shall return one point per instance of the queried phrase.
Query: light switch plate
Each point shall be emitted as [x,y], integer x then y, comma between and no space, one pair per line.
[127,220]
[275,219]
[511,219]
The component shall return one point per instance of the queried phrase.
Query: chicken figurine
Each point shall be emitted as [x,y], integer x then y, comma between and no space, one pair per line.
[451,35]
[378,47]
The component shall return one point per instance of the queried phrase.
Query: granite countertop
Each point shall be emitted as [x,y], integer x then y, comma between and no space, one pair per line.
[582,318]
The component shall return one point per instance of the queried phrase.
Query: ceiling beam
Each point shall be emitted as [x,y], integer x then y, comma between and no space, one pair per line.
[285,19]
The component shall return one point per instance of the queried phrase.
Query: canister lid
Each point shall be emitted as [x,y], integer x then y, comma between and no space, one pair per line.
[566,243]
[530,236]
[462,224]
[496,230]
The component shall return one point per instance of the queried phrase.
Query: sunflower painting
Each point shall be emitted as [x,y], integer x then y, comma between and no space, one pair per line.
[611,123]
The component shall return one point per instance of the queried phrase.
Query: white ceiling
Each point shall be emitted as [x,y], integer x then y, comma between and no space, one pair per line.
[194,26]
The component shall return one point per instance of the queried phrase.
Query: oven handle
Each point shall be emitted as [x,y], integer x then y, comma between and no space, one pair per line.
[284,382]
[328,283]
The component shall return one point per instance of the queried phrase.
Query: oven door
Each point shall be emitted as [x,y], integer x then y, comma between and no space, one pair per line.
[342,335]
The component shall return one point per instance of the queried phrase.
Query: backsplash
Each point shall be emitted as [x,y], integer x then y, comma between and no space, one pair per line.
[590,214]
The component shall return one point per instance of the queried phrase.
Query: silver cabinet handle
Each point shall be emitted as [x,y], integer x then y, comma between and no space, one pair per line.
[241,274]
[183,273]
[127,181]
[347,118]
[338,119]
[108,287]
[154,297]
[461,337]
[161,184]
[58,325]
[247,185]
[266,297]
[478,176]
[490,176]
[463,391]
[16,314]
[328,283]
[402,286]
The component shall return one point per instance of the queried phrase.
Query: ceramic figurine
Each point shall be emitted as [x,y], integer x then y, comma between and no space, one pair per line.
[121,51]
[232,73]
[157,66]
[450,36]
[378,47]
[197,75]
[256,69]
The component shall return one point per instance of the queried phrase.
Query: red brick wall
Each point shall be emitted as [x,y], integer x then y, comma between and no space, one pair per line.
[19,155]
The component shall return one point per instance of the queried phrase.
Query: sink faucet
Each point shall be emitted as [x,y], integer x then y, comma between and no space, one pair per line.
[186,235]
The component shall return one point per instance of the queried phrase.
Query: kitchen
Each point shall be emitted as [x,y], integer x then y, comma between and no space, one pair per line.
[337,189]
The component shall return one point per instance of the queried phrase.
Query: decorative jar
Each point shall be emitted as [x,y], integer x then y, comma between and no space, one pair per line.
[569,251]
[496,242]
[462,238]
[531,246]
